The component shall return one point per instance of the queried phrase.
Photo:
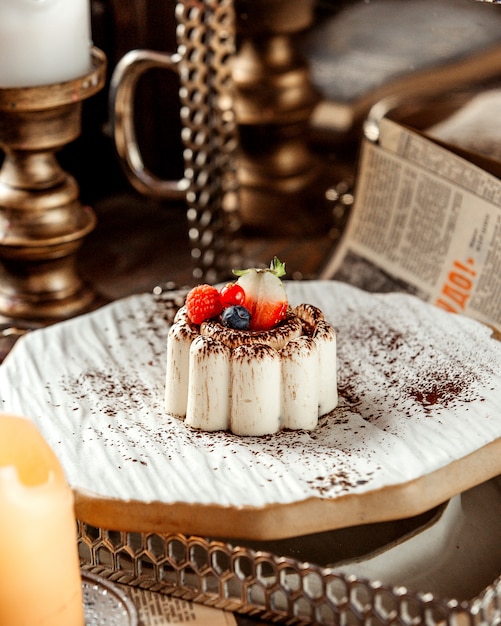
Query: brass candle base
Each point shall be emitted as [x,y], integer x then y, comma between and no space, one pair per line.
[42,222]
[281,181]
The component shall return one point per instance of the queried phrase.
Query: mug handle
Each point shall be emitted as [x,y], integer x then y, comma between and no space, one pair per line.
[121,104]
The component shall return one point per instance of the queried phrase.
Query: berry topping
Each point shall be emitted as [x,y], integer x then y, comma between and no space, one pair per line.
[202,303]
[236,316]
[265,296]
[232,294]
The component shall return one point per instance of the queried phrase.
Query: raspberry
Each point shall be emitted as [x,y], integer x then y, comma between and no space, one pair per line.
[202,303]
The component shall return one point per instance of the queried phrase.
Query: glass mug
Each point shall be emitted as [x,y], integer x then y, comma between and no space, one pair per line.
[206,42]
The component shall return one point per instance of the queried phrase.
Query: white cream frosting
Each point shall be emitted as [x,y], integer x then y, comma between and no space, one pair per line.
[300,360]
[252,383]
[255,390]
[179,340]
[208,401]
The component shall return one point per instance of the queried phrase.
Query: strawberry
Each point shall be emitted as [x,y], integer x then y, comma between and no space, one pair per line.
[202,303]
[265,296]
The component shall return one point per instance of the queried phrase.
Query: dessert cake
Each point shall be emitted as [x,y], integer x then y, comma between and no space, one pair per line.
[241,359]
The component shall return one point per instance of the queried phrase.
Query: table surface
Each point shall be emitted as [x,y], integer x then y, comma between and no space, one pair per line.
[140,243]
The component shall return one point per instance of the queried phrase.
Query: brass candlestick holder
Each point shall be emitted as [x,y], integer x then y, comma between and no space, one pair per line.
[42,222]
[282,182]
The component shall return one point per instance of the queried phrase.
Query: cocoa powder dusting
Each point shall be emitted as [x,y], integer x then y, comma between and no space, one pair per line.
[389,367]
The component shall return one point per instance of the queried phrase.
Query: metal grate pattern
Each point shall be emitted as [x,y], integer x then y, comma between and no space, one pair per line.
[278,589]
[206,44]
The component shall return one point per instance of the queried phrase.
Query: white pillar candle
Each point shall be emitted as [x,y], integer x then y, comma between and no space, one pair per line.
[40,582]
[44,42]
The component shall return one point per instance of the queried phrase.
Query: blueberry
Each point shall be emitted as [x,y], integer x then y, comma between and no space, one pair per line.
[237,317]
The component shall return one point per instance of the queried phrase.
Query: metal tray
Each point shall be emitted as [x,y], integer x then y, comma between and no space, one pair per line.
[444,571]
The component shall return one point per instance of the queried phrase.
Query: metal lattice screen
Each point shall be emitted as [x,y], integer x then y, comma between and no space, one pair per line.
[279,589]
[206,44]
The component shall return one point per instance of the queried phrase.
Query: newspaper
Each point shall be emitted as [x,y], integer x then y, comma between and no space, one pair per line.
[157,609]
[425,221]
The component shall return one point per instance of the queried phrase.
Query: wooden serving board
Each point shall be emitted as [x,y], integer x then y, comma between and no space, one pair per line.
[419,420]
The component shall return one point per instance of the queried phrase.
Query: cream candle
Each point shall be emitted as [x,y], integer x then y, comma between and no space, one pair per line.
[43,41]
[40,581]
